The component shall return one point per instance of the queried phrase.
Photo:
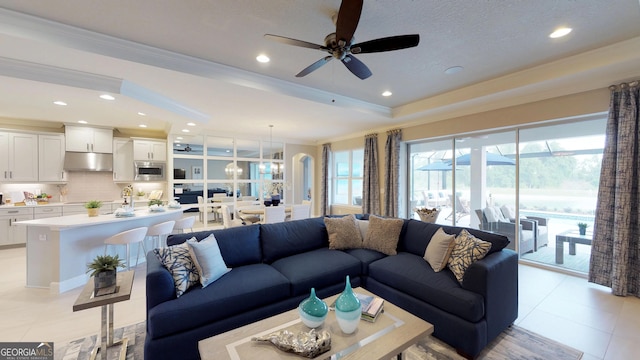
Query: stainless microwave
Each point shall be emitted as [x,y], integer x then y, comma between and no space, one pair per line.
[149,171]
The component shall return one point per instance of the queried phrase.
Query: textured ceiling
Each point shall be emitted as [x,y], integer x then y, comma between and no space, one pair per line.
[491,40]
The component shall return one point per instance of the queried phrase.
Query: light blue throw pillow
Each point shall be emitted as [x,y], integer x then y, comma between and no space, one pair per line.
[208,259]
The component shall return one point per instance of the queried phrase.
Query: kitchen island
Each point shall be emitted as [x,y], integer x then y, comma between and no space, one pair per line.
[59,248]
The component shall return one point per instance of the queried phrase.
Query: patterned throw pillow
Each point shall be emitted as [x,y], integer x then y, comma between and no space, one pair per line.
[208,259]
[467,250]
[179,263]
[383,234]
[439,249]
[344,233]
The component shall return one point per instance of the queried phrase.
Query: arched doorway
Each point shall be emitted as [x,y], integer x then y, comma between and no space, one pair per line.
[302,179]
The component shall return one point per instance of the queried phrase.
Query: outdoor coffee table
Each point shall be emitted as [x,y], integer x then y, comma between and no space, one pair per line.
[395,330]
[572,237]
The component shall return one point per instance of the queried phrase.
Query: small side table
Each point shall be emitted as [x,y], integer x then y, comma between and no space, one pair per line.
[86,300]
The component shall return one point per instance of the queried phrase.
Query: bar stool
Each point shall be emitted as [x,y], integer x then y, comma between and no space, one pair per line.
[127,238]
[184,223]
[158,231]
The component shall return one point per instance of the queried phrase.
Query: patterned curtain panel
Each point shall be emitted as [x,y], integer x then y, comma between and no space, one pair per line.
[324,186]
[392,171]
[370,183]
[615,253]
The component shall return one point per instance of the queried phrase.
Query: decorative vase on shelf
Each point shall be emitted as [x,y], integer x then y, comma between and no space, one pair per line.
[313,310]
[275,199]
[348,309]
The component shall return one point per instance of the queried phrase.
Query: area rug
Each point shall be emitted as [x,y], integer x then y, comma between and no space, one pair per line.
[515,343]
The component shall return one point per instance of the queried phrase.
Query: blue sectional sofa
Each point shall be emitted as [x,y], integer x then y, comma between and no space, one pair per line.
[275,265]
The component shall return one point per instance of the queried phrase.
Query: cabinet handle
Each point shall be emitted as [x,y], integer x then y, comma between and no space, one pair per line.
[47,210]
[88,147]
[10,174]
[5,174]
[13,211]
[91,147]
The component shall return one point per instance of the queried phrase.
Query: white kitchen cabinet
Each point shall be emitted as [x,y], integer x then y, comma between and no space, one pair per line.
[51,158]
[88,139]
[122,160]
[18,157]
[10,233]
[149,150]
[43,212]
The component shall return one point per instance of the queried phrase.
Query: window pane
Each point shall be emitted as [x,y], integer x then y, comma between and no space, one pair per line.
[248,148]
[342,163]
[356,192]
[358,159]
[341,192]
[219,146]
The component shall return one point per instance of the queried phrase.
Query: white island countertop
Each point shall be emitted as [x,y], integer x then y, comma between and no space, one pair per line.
[59,248]
[83,220]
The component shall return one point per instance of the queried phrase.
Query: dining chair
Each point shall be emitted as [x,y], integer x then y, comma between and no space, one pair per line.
[159,232]
[248,218]
[273,214]
[202,208]
[300,211]
[227,221]
[127,238]
[184,224]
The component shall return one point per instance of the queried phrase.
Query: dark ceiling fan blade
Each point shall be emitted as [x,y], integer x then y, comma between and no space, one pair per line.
[348,18]
[294,42]
[386,44]
[357,67]
[313,67]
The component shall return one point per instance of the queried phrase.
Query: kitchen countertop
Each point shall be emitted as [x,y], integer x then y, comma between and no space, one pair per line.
[82,220]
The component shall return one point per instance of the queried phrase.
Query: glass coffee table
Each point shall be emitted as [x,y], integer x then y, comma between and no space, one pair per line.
[394,331]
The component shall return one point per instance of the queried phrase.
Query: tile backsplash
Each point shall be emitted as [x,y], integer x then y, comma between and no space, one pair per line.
[81,186]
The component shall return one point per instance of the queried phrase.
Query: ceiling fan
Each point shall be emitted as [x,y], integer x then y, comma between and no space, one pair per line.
[340,43]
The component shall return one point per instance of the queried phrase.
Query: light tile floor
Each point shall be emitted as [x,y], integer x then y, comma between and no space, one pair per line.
[562,307]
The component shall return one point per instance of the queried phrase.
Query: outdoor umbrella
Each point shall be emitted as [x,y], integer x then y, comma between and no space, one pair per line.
[436,166]
[492,159]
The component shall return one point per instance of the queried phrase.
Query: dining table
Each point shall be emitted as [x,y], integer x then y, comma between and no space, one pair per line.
[257,210]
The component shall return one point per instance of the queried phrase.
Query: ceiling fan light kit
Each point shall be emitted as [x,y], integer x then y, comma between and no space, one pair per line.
[340,43]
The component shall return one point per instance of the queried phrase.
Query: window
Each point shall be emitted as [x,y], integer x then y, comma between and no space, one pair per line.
[347,179]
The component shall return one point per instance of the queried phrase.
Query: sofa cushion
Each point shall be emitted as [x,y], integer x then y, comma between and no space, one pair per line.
[410,274]
[292,237]
[318,269]
[238,246]
[366,257]
[467,250]
[241,289]
[383,234]
[343,232]
[439,249]
[416,235]
[207,258]
[178,261]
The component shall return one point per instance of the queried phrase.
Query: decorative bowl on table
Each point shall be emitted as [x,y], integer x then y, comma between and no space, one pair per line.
[156,208]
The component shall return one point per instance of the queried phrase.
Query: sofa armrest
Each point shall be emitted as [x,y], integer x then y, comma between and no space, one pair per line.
[160,286]
[541,221]
[496,278]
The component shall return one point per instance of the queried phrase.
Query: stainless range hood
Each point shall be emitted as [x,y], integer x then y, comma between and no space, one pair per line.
[82,161]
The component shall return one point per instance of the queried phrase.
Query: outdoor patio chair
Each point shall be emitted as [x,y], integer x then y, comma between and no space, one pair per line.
[493,220]
[460,209]
[542,235]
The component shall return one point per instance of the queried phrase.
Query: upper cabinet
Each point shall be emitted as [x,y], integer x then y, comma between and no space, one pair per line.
[51,158]
[122,160]
[18,157]
[87,139]
[149,150]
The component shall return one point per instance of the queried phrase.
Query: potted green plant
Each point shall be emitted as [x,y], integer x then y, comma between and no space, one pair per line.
[583,228]
[93,207]
[140,194]
[104,269]
[156,202]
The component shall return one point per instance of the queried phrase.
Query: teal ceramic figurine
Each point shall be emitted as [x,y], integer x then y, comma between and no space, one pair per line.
[348,309]
[312,310]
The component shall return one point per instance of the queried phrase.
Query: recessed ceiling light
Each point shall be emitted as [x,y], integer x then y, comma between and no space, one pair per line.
[177,142]
[262,58]
[178,145]
[387,93]
[191,124]
[107,97]
[453,70]
[179,137]
[185,130]
[142,125]
[82,121]
[61,103]
[560,32]
[141,113]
